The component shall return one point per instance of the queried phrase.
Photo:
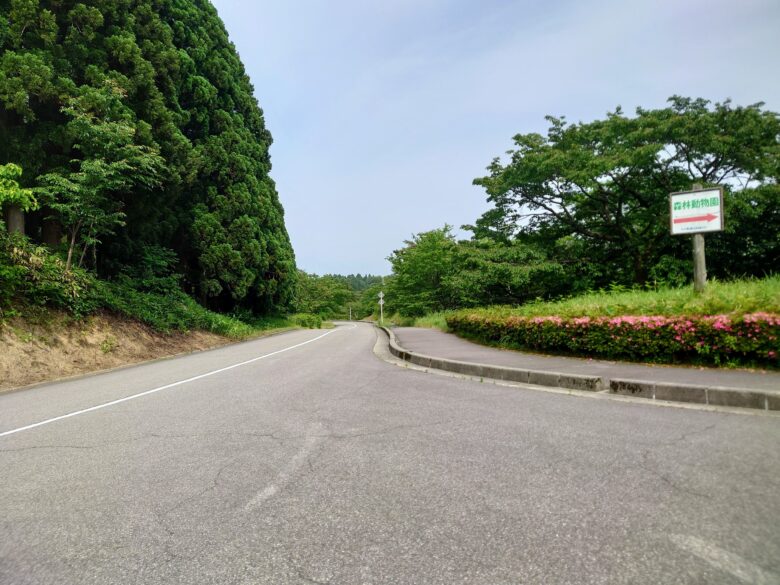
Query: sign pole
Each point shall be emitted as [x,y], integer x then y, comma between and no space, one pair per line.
[699,258]
[699,264]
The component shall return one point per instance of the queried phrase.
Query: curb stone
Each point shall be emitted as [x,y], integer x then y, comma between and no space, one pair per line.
[711,395]
[690,393]
[539,378]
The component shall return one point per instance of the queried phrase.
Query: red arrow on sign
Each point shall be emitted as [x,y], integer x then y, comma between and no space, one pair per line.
[708,217]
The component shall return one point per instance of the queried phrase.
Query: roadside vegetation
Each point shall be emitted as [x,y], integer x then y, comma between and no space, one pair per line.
[749,339]
[334,296]
[734,298]
[32,280]
[132,147]
[575,254]
[736,323]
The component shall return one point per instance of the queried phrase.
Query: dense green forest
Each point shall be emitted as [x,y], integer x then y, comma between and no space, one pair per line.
[132,146]
[586,207]
[334,296]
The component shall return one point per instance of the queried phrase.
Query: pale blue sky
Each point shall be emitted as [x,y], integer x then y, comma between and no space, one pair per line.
[384,111]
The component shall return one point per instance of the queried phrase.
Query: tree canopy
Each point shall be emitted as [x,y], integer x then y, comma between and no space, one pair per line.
[434,272]
[187,164]
[10,191]
[604,185]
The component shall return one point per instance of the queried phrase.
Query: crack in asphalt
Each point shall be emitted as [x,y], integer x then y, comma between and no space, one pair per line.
[665,478]
[160,516]
[148,436]
[684,436]
[299,572]
[212,487]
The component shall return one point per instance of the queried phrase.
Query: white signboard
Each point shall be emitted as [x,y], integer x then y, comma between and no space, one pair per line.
[695,212]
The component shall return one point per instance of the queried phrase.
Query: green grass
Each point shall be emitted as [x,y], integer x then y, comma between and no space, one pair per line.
[433,321]
[735,298]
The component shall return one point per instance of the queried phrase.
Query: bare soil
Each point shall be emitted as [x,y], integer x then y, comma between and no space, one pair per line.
[53,346]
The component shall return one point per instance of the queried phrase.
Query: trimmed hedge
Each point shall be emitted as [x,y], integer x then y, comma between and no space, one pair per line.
[718,339]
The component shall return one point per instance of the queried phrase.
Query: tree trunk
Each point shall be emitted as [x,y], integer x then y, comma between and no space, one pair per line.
[72,246]
[51,233]
[14,218]
[640,269]
[83,255]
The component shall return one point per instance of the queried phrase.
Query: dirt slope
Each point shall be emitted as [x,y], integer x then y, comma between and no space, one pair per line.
[36,350]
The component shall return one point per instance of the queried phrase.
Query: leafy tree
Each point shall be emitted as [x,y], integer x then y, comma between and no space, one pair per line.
[750,244]
[435,272]
[328,296]
[367,302]
[420,270]
[86,196]
[186,96]
[359,282]
[10,191]
[495,273]
[606,183]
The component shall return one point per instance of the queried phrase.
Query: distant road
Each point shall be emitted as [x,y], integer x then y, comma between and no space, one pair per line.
[304,458]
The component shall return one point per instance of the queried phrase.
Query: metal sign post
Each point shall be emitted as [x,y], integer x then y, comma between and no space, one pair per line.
[695,213]
[381,308]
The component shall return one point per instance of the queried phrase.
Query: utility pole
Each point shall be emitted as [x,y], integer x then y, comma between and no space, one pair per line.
[381,307]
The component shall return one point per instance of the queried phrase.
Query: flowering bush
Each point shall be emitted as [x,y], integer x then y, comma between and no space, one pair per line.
[715,339]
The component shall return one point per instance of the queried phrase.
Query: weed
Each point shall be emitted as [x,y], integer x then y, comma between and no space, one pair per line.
[109,344]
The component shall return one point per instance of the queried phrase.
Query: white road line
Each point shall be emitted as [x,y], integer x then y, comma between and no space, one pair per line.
[285,474]
[152,391]
[726,561]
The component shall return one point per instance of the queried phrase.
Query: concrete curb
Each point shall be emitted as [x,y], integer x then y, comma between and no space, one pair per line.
[537,377]
[710,395]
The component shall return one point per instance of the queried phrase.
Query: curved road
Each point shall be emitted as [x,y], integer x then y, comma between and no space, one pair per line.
[304,458]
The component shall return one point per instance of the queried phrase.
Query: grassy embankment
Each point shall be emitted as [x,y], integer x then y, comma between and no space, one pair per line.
[733,298]
[56,322]
[733,324]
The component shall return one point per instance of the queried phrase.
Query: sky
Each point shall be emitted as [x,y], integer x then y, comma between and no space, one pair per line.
[383,112]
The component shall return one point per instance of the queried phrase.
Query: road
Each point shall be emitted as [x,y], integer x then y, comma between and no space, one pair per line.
[314,461]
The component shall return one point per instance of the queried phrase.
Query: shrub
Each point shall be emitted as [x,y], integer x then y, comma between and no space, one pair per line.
[715,339]
[32,275]
[309,320]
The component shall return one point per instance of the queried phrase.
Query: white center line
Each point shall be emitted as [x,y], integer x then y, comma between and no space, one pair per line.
[153,390]
[725,561]
[284,476]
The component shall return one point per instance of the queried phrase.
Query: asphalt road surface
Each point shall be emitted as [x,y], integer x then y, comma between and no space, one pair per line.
[314,461]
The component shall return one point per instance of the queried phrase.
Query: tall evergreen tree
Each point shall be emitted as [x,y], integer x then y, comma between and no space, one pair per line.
[186,96]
